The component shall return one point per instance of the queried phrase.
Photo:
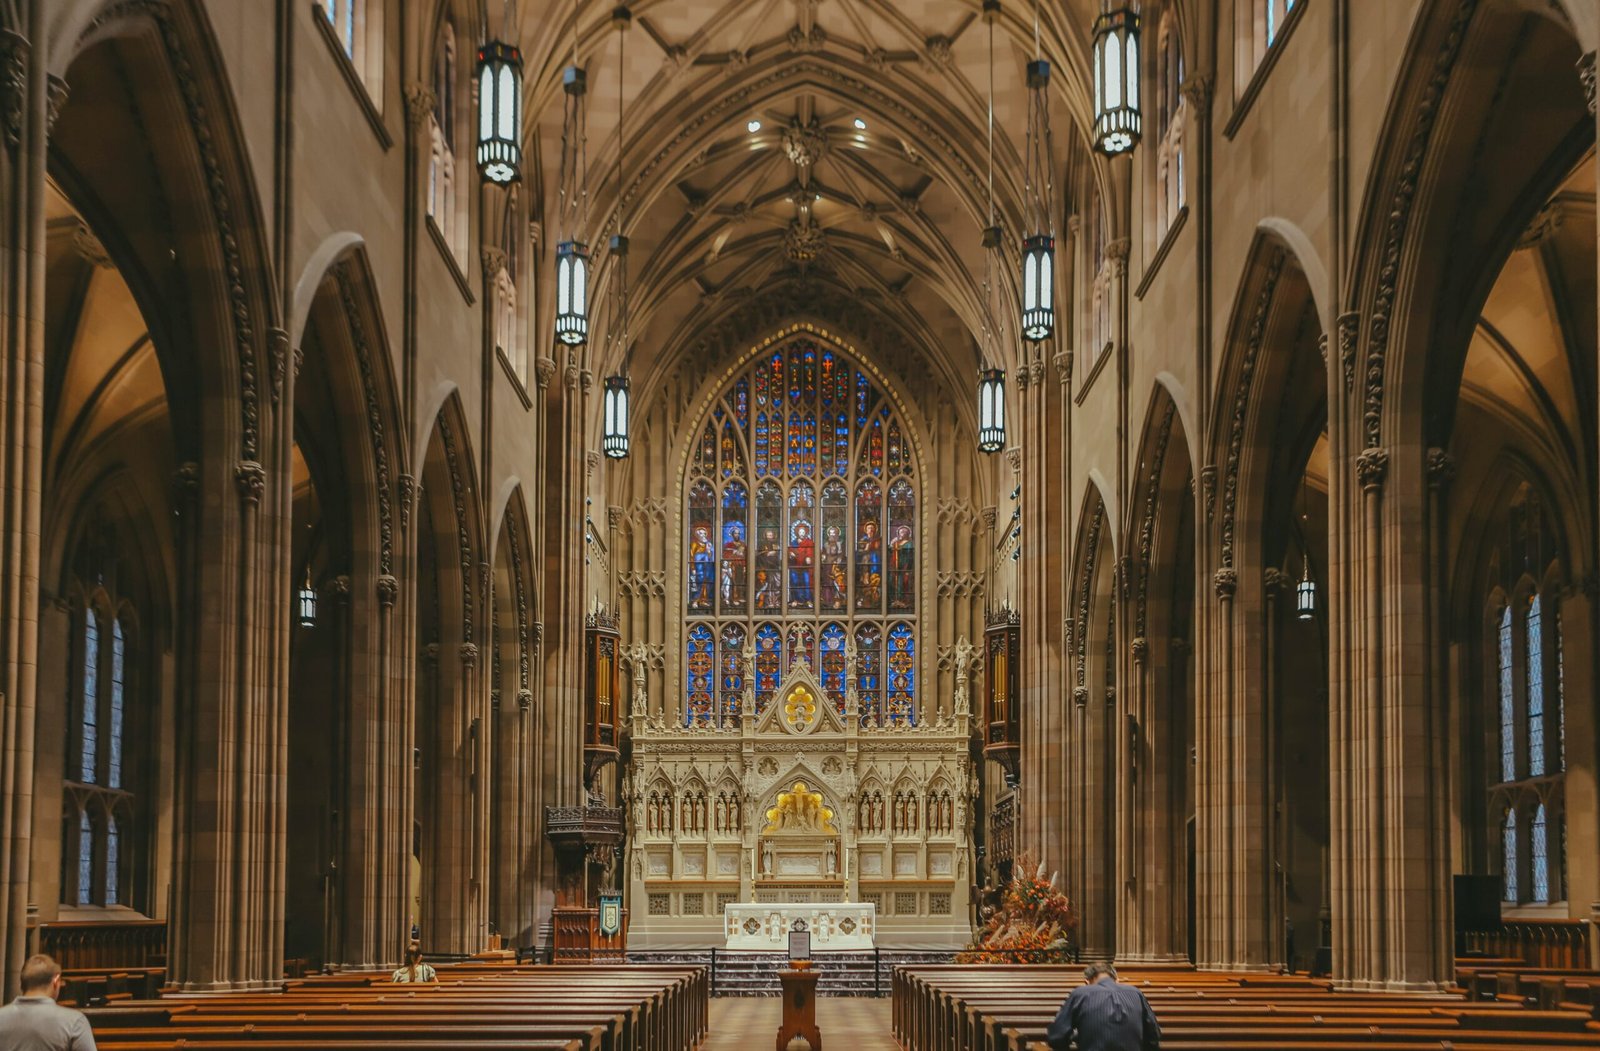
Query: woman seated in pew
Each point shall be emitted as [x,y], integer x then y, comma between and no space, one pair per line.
[415,970]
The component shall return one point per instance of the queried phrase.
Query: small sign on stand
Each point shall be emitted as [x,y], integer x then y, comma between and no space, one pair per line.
[799,941]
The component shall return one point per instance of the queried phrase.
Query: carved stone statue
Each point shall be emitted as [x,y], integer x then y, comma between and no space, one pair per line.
[766,859]
[830,860]
[638,657]
[963,652]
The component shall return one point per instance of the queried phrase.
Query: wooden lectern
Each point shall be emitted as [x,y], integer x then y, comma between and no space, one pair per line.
[799,1007]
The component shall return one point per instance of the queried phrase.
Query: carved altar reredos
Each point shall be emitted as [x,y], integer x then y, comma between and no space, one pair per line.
[799,804]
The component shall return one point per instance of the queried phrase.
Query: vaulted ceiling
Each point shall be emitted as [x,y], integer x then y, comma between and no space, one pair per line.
[821,158]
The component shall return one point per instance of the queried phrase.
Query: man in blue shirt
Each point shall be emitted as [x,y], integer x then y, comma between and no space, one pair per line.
[1105,1015]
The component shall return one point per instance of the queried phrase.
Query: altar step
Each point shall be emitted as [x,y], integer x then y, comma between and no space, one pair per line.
[746,973]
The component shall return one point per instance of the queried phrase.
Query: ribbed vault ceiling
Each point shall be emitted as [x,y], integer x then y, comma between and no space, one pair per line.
[860,199]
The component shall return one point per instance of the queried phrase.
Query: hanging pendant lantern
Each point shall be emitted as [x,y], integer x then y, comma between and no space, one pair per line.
[614,442]
[1039,250]
[1116,81]
[991,410]
[1305,592]
[572,292]
[499,112]
[306,603]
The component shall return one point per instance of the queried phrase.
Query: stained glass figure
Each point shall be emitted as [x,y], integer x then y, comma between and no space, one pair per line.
[769,665]
[702,553]
[869,671]
[769,548]
[802,547]
[899,459]
[699,670]
[797,456]
[900,709]
[833,590]
[731,686]
[864,398]
[833,669]
[808,444]
[802,647]
[902,547]
[735,547]
[869,547]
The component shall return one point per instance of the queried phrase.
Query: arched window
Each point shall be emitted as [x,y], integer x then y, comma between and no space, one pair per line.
[1169,113]
[98,805]
[342,17]
[442,155]
[1538,856]
[1508,708]
[1534,631]
[1509,854]
[1260,26]
[801,532]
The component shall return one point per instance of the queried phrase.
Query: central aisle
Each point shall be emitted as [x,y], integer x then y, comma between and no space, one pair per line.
[750,1023]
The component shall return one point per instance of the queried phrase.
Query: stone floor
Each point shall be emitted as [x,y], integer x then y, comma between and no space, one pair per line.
[743,1023]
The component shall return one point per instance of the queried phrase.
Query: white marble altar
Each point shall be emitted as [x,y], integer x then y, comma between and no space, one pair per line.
[842,926]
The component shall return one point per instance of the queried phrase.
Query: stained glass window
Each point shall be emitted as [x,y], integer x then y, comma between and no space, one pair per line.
[1561,694]
[89,716]
[732,684]
[698,671]
[1534,629]
[735,546]
[1538,855]
[85,858]
[869,671]
[902,675]
[113,858]
[1508,860]
[802,530]
[114,709]
[1508,712]
[833,670]
[769,665]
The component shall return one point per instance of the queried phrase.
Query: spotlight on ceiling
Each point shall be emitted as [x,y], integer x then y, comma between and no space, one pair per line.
[752,126]
[861,125]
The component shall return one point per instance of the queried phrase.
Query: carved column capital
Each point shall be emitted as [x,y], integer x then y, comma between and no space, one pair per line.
[1063,363]
[1372,467]
[988,515]
[1208,487]
[1272,580]
[468,652]
[250,479]
[14,51]
[1225,582]
[388,590]
[55,97]
[185,485]
[1139,648]
[1080,696]
[420,101]
[544,370]
[493,259]
[524,700]
[1197,91]
[1347,326]
[339,588]
[1441,468]
[430,653]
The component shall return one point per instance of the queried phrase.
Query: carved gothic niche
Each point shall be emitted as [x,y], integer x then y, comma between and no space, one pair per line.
[1002,742]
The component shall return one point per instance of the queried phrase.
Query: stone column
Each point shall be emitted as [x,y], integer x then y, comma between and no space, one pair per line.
[22,440]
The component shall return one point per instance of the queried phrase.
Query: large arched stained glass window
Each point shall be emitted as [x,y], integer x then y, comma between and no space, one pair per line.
[801,534]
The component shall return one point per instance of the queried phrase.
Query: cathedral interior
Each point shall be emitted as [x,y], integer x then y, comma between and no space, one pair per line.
[468,465]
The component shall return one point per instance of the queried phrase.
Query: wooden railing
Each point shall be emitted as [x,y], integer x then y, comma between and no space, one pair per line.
[1538,943]
[126,943]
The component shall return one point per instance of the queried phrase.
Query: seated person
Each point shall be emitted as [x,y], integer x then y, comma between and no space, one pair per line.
[414,970]
[1104,1015]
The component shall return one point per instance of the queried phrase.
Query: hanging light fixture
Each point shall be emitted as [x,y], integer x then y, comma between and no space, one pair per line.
[614,436]
[306,603]
[1116,80]
[499,112]
[991,381]
[572,255]
[1305,592]
[1039,249]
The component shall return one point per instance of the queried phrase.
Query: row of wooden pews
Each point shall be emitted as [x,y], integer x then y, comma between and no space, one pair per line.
[1512,980]
[476,1006]
[1009,1007]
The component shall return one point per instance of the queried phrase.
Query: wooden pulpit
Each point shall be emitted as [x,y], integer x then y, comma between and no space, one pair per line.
[799,1007]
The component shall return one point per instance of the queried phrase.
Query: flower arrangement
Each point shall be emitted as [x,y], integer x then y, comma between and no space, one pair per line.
[1033,923]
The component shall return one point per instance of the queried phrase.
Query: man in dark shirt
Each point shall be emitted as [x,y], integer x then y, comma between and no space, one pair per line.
[1105,1015]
